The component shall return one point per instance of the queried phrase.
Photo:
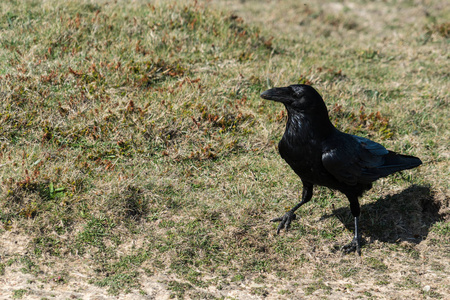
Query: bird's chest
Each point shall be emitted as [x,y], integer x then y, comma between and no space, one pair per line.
[301,148]
[303,155]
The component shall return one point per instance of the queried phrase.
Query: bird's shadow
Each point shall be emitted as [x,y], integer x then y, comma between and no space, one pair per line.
[406,216]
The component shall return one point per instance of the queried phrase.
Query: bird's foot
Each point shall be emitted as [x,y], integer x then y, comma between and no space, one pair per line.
[285,221]
[354,245]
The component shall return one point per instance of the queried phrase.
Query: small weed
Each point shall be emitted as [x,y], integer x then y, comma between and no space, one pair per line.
[257,266]
[260,279]
[118,282]
[432,294]
[376,264]
[409,282]
[46,245]
[348,272]
[55,192]
[94,234]
[284,292]
[259,291]
[442,228]
[18,294]
[179,288]
[237,277]
[369,54]
[382,282]
[29,265]
[319,285]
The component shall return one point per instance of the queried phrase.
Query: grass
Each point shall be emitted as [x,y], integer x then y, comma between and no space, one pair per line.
[136,156]
[18,294]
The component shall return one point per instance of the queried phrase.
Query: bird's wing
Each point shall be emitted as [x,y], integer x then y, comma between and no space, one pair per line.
[371,146]
[354,159]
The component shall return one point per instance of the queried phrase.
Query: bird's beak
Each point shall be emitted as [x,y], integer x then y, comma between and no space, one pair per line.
[279,94]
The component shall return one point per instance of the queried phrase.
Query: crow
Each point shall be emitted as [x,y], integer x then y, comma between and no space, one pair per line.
[322,155]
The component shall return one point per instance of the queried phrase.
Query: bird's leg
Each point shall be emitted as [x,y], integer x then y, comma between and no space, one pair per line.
[285,221]
[355,244]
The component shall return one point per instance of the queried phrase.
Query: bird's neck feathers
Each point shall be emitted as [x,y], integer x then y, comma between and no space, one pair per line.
[316,123]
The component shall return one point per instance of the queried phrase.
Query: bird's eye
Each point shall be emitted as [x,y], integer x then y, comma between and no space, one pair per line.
[295,91]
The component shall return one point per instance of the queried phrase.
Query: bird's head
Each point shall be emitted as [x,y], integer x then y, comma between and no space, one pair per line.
[298,97]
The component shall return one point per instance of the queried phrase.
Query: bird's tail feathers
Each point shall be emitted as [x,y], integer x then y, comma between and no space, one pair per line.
[394,162]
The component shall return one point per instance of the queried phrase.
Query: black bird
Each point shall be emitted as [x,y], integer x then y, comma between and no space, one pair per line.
[322,155]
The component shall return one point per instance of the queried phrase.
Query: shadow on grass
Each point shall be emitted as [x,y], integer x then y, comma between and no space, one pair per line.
[406,216]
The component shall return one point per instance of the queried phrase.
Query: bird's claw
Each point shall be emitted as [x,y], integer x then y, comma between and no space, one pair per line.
[354,245]
[285,221]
